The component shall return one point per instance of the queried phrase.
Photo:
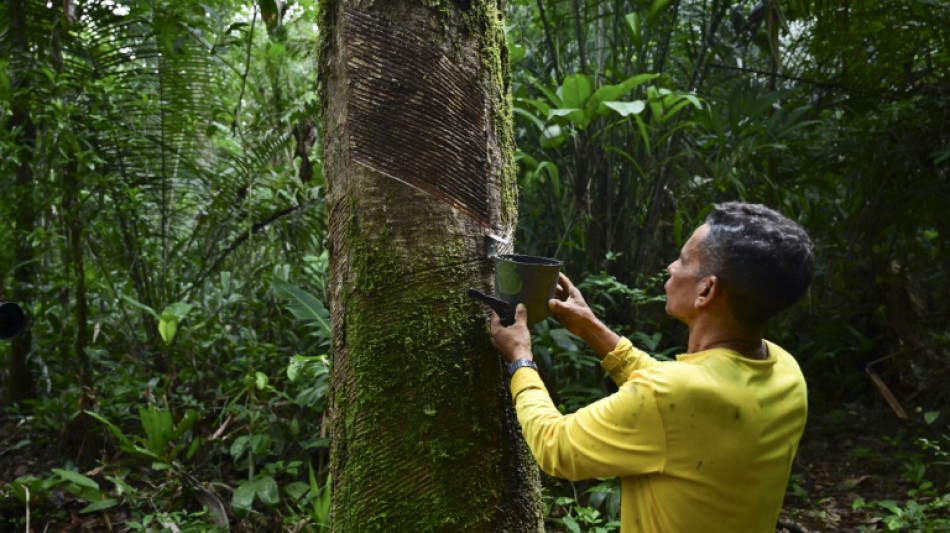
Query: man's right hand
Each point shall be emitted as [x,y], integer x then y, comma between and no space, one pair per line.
[570,308]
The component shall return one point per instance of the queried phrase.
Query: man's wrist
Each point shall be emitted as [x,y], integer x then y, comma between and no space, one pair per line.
[515,364]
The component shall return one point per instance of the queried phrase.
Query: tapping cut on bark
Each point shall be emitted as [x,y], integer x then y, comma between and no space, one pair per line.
[416,115]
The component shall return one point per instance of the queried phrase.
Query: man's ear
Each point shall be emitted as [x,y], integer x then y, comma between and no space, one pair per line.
[709,289]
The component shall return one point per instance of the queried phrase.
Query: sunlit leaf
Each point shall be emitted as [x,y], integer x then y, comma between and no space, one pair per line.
[625,109]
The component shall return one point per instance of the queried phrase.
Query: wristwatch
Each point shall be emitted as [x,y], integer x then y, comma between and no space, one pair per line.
[518,363]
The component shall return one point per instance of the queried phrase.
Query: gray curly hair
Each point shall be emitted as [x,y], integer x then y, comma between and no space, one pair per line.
[763,259]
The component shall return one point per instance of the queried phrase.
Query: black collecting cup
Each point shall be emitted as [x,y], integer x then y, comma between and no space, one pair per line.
[529,280]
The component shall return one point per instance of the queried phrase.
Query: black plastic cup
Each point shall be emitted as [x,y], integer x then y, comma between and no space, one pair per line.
[529,280]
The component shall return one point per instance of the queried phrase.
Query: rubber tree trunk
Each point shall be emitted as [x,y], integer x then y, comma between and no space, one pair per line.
[419,164]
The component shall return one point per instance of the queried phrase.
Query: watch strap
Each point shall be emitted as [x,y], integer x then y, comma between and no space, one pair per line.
[519,363]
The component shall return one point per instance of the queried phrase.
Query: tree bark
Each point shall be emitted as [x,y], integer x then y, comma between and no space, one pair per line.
[20,384]
[418,155]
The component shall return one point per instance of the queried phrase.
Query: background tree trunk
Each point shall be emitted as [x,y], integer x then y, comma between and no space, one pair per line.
[20,385]
[418,157]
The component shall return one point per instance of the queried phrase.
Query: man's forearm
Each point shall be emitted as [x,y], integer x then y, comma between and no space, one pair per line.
[599,337]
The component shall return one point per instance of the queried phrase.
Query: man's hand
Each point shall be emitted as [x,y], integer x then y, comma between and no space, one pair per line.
[569,307]
[514,342]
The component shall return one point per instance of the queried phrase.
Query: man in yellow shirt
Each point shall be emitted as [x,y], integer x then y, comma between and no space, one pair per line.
[703,444]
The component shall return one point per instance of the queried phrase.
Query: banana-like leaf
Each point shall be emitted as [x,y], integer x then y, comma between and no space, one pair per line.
[305,306]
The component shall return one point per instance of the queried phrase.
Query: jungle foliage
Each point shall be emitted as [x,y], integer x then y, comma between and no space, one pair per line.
[163,222]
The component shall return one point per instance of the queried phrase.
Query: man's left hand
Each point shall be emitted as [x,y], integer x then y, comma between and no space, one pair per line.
[514,342]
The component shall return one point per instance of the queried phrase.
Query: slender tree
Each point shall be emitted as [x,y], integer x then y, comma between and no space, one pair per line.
[23,129]
[419,163]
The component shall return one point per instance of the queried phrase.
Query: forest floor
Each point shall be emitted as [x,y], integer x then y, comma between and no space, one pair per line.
[850,454]
[856,454]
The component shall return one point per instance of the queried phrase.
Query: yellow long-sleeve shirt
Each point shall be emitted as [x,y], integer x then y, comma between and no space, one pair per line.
[701,444]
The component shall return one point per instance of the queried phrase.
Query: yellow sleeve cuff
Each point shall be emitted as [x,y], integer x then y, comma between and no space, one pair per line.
[525,378]
[615,358]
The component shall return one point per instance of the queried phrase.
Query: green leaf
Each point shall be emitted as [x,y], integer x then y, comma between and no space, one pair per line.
[158,427]
[551,95]
[243,497]
[571,524]
[167,329]
[116,432]
[553,136]
[239,445]
[574,116]
[263,488]
[99,505]
[538,123]
[136,303]
[657,7]
[296,490]
[267,490]
[186,423]
[633,28]
[625,109]
[260,380]
[930,416]
[576,90]
[76,478]
[304,306]
[612,92]
[177,310]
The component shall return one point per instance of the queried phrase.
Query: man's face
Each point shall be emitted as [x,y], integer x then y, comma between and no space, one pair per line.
[685,284]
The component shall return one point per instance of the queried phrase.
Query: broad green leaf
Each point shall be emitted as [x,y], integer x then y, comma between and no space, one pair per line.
[158,426]
[625,109]
[608,93]
[186,423]
[116,432]
[167,329]
[633,28]
[538,123]
[553,136]
[177,310]
[551,95]
[239,445]
[296,490]
[644,135]
[267,491]
[303,305]
[930,416]
[99,505]
[574,115]
[193,448]
[293,369]
[76,478]
[657,7]
[260,380]
[571,524]
[136,303]
[575,91]
[243,497]
[515,52]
